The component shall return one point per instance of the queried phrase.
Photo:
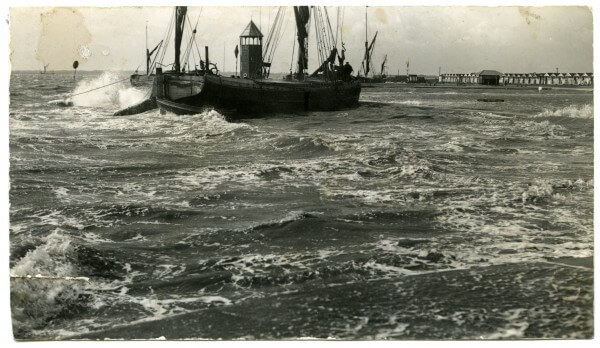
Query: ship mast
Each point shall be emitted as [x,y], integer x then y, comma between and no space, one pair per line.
[147,52]
[366,43]
[302,15]
[180,15]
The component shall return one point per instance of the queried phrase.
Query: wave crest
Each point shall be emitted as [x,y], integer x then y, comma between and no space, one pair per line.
[106,96]
[36,300]
[573,111]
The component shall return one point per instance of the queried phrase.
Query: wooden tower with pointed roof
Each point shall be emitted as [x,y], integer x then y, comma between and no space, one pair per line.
[251,62]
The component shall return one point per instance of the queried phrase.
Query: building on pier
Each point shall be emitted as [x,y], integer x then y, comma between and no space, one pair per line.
[494,77]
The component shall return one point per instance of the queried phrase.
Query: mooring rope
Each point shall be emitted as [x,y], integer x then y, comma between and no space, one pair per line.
[110,84]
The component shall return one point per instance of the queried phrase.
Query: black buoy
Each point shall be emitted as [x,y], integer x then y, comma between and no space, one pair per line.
[75,65]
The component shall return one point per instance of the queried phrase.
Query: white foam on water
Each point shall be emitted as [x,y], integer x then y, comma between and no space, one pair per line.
[61,191]
[59,219]
[170,127]
[573,111]
[94,238]
[293,215]
[371,196]
[514,329]
[216,299]
[211,178]
[406,102]
[388,270]
[520,234]
[48,259]
[98,92]
[131,96]
[544,128]
[213,122]
[398,330]
[61,102]
[54,285]
[451,146]
[168,271]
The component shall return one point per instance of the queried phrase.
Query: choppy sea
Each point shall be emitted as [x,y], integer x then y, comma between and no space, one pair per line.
[421,214]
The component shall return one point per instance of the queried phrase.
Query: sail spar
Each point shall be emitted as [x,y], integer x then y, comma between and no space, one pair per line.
[180,12]
[368,61]
[302,14]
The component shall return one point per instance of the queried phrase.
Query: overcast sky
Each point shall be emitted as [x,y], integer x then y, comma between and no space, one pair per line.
[457,39]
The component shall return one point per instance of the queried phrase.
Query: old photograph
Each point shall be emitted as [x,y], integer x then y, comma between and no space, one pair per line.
[338,172]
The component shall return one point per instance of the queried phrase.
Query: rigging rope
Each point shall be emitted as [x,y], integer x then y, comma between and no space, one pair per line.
[342,26]
[274,35]
[325,41]
[154,62]
[93,89]
[196,43]
[293,49]
[189,46]
[337,22]
[167,39]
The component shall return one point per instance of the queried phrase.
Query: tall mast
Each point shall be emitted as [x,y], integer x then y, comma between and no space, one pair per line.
[180,13]
[302,15]
[147,52]
[366,43]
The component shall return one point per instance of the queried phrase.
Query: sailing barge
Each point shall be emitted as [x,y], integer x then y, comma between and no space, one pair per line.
[175,86]
[330,87]
[182,82]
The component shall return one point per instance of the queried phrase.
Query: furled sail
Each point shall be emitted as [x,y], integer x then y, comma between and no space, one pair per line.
[180,12]
[383,64]
[302,14]
[149,54]
[329,61]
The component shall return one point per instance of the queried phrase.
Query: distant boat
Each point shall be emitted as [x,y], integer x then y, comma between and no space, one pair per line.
[383,72]
[367,63]
[330,87]
[45,69]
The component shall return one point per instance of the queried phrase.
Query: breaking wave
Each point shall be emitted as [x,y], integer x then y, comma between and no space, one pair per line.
[574,111]
[106,95]
[49,292]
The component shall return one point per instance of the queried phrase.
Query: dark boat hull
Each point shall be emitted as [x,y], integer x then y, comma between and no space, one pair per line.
[179,107]
[263,96]
[173,86]
[186,95]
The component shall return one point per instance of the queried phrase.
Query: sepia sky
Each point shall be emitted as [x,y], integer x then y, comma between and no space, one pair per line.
[456,39]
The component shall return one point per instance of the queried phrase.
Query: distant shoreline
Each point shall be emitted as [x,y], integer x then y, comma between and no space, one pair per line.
[453,86]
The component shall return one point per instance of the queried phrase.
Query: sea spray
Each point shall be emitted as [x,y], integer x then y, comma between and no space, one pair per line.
[102,91]
[574,111]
